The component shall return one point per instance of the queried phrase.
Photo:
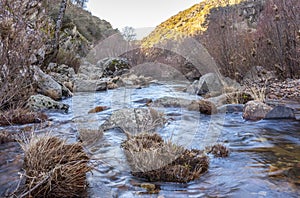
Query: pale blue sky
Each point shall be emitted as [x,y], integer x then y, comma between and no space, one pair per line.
[137,13]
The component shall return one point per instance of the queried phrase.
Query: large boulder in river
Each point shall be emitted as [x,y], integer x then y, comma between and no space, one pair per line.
[92,72]
[231,98]
[133,80]
[281,112]
[113,66]
[89,85]
[47,85]
[256,110]
[203,106]
[168,101]
[134,120]
[213,84]
[63,74]
[40,102]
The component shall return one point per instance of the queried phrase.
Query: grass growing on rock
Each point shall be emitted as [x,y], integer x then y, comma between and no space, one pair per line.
[153,159]
[54,168]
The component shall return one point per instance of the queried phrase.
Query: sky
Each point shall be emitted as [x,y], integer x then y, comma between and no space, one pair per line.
[137,13]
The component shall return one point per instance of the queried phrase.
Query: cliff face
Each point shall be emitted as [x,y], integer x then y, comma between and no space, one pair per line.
[196,20]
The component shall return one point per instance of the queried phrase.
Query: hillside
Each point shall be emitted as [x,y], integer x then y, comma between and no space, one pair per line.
[238,34]
[189,22]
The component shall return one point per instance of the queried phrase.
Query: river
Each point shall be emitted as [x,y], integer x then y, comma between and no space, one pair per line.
[264,156]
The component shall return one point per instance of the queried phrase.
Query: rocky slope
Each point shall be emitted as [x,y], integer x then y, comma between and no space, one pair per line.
[80,28]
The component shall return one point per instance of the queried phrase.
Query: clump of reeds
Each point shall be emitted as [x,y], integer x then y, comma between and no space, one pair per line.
[54,168]
[6,137]
[153,159]
[218,150]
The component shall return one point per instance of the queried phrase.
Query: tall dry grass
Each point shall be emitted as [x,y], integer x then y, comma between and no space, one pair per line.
[54,168]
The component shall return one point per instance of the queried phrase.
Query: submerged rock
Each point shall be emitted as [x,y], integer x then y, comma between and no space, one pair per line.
[41,102]
[134,120]
[98,109]
[281,112]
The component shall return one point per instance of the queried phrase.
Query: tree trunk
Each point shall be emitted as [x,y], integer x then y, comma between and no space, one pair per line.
[61,14]
[51,57]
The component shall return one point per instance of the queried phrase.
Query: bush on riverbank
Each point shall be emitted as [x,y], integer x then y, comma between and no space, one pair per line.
[153,159]
[21,38]
[268,36]
[54,168]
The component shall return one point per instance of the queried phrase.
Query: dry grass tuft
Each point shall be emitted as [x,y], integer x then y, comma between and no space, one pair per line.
[6,137]
[258,93]
[21,116]
[153,159]
[218,150]
[54,168]
[238,98]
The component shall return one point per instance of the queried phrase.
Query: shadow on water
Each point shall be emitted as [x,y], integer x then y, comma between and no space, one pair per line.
[264,159]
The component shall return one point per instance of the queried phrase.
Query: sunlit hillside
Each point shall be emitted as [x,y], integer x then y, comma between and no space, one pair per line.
[186,23]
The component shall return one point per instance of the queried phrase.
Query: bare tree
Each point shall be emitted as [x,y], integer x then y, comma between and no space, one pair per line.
[55,42]
[128,33]
[81,3]
[62,10]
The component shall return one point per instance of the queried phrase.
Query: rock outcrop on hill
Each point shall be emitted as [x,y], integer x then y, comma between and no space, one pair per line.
[80,29]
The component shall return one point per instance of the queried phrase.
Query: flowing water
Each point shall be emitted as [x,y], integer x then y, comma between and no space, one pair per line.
[264,159]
